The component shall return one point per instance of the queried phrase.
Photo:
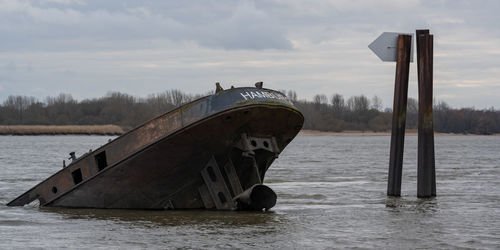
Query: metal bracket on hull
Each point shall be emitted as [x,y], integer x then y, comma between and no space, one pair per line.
[222,185]
[250,144]
[233,178]
[210,191]
[217,187]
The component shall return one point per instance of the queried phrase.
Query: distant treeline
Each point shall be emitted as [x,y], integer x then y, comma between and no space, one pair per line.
[361,113]
[334,113]
[115,108]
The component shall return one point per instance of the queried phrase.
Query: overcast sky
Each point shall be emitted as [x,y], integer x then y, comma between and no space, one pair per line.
[88,48]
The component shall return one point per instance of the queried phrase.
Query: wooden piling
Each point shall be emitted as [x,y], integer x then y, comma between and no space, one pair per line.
[426,174]
[399,115]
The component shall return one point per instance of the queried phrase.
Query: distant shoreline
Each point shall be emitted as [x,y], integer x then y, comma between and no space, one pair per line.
[117,130]
[371,133]
[60,130]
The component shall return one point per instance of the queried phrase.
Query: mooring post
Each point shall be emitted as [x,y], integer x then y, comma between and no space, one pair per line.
[426,174]
[399,115]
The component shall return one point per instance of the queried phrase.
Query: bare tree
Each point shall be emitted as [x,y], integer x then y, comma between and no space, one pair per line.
[358,103]
[19,104]
[321,102]
[376,103]
[338,103]
[176,96]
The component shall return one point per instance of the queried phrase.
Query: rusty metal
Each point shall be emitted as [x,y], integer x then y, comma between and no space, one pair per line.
[162,163]
[399,116]
[217,188]
[233,178]
[426,171]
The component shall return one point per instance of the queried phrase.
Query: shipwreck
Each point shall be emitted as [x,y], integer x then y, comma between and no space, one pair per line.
[211,153]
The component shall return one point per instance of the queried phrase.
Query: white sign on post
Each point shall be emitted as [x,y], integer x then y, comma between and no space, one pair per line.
[386,46]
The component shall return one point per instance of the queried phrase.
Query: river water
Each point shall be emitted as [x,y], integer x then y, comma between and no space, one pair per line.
[331,194]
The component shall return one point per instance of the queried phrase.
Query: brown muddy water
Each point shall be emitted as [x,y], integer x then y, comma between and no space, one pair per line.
[331,194]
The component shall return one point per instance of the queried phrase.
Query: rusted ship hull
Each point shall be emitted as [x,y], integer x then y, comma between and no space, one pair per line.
[211,153]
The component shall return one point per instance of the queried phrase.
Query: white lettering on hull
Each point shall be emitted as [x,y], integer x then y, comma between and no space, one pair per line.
[250,95]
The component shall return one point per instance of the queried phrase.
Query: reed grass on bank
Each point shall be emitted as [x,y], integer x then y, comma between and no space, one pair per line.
[61,130]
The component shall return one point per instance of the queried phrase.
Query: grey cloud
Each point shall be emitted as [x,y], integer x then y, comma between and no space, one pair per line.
[38,26]
[225,24]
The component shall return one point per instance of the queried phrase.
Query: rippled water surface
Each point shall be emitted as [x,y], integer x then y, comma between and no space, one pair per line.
[331,194]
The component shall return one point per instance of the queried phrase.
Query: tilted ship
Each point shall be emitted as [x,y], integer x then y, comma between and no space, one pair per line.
[211,153]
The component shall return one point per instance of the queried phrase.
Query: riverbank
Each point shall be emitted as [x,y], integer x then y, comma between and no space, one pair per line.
[61,130]
[117,130]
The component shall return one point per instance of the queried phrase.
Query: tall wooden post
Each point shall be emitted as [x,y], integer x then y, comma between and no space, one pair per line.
[426,174]
[399,115]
